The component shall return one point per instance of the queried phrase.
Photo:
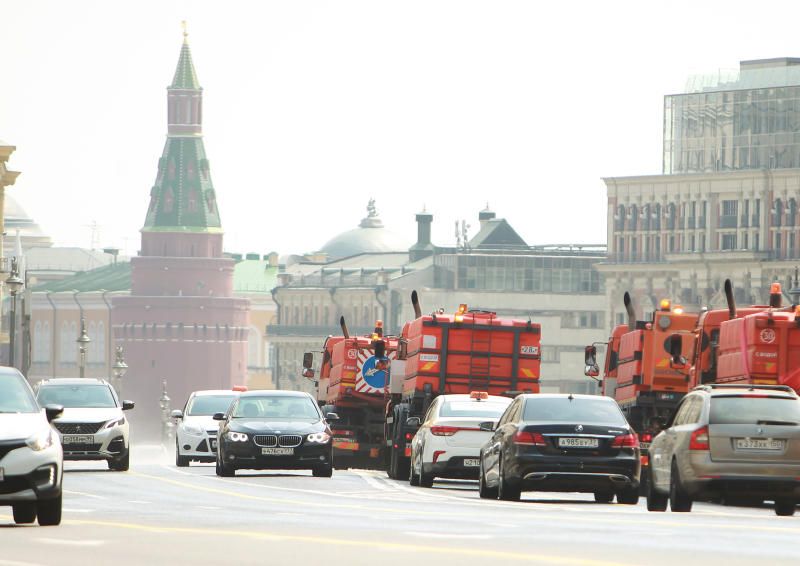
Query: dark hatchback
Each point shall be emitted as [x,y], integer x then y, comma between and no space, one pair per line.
[274,430]
[561,443]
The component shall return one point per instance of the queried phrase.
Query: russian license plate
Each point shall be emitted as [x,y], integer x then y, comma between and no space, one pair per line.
[644,445]
[471,462]
[277,451]
[78,439]
[758,444]
[578,442]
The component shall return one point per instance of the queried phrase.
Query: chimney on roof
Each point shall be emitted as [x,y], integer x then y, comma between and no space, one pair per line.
[272,257]
[423,248]
[485,215]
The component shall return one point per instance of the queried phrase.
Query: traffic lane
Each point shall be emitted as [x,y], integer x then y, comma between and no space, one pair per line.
[368,512]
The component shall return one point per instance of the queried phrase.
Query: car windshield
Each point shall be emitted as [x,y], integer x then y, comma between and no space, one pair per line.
[743,409]
[483,409]
[283,407]
[580,410]
[15,395]
[207,405]
[77,396]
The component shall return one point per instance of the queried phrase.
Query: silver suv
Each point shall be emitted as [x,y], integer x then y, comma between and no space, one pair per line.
[730,442]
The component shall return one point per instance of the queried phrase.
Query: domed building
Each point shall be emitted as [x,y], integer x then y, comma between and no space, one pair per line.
[370,237]
[16,219]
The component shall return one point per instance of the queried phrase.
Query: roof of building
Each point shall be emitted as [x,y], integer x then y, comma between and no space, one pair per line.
[254,276]
[185,76]
[107,278]
[15,218]
[70,259]
[370,237]
[497,233]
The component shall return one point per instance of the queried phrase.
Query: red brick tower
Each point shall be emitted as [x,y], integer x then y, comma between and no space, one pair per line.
[181,322]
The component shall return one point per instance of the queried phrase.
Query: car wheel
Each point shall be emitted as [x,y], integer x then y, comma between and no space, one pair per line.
[679,500]
[49,511]
[505,490]
[323,471]
[628,496]
[413,478]
[785,507]
[656,501]
[604,496]
[425,480]
[484,490]
[180,461]
[121,464]
[24,512]
[224,470]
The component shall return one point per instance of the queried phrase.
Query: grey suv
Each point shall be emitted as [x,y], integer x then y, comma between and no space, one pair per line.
[731,442]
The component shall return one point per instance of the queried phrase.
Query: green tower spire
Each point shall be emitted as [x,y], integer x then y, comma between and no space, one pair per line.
[183,197]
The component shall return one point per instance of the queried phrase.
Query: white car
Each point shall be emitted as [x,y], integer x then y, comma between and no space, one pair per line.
[196,434]
[449,440]
[31,460]
[93,425]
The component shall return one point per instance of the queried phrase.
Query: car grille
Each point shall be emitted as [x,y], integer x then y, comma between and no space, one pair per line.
[9,445]
[284,440]
[82,447]
[78,428]
[266,440]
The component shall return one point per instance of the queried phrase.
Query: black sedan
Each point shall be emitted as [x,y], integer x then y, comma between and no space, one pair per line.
[274,430]
[561,443]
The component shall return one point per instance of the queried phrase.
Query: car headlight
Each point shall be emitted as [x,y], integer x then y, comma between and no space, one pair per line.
[115,422]
[318,438]
[193,429]
[236,436]
[45,438]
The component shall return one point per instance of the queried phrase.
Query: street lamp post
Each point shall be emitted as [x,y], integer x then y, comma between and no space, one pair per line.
[119,369]
[83,345]
[14,284]
[795,290]
[166,423]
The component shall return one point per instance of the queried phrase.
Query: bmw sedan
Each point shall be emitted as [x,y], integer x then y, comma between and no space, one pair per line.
[274,430]
[561,443]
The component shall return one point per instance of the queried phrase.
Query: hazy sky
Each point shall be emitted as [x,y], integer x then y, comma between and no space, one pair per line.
[312,107]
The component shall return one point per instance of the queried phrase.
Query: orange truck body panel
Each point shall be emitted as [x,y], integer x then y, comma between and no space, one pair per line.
[342,380]
[476,351]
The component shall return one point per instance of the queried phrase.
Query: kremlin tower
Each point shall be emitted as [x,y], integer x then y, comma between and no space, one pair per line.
[181,322]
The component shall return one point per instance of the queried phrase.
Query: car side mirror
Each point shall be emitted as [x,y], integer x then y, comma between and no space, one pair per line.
[176,414]
[52,412]
[219,416]
[487,426]
[128,405]
[677,361]
[591,369]
[413,421]
[308,360]
[331,417]
[308,373]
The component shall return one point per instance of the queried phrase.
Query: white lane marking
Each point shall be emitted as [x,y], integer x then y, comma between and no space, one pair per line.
[448,535]
[70,542]
[78,510]
[208,508]
[374,482]
[17,563]
[136,502]
[92,495]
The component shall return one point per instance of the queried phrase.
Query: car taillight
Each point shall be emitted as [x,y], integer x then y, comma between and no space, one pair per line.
[340,432]
[699,439]
[625,441]
[646,437]
[529,438]
[440,430]
[409,435]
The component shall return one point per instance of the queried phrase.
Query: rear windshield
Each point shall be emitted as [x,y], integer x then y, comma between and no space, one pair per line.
[282,407]
[15,395]
[77,396]
[207,405]
[481,409]
[577,410]
[754,410]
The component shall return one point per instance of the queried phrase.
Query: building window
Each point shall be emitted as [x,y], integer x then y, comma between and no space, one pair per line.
[729,207]
[729,241]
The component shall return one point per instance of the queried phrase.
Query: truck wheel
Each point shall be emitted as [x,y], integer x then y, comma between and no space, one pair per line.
[679,500]
[49,512]
[785,507]
[656,501]
[24,512]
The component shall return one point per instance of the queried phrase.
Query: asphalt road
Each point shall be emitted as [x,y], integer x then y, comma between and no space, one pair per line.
[159,514]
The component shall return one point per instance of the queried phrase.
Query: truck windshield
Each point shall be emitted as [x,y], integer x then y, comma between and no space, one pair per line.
[77,396]
[743,409]
[207,405]
[15,396]
[578,410]
[483,409]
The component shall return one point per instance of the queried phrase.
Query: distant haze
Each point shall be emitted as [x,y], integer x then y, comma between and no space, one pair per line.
[312,107]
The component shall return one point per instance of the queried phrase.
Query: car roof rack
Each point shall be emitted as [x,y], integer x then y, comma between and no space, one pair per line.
[750,386]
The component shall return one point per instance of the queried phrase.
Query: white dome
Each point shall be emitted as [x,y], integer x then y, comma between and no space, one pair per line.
[369,237]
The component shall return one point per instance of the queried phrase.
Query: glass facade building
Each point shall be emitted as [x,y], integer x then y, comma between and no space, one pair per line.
[730,121]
